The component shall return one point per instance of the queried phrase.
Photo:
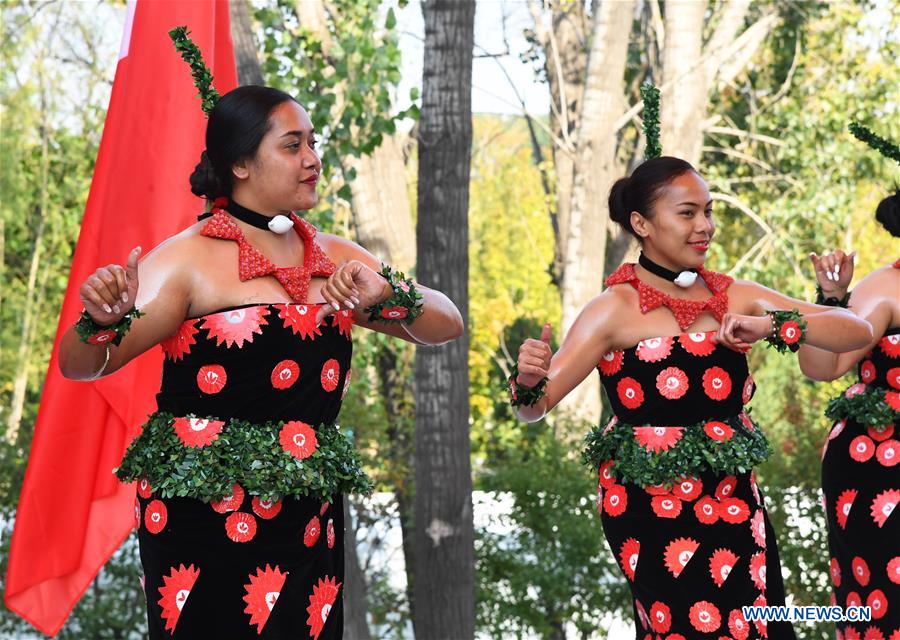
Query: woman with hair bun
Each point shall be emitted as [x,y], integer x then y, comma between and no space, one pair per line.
[677,495]
[242,469]
[860,476]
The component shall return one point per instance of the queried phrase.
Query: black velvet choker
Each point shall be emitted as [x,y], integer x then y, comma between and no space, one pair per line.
[244,214]
[683,278]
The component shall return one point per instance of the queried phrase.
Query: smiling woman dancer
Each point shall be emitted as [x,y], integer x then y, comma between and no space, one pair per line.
[241,470]
[679,503]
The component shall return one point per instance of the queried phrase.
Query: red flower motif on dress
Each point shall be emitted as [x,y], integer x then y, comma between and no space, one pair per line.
[642,614]
[329,533]
[697,344]
[758,570]
[155,516]
[867,372]
[790,332]
[660,617]
[760,624]
[734,510]
[211,378]
[654,349]
[721,563]
[749,388]
[325,506]
[197,432]
[298,439]
[630,392]
[312,532]
[890,345]
[835,570]
[855,390]
[666,506]
[605,476]
[758,528]
[343,320]
[102,337]
[836,429]
[717,383]
[726,487]
[851,634]
[331,373]
[672,383]
[262,593]
[893,377]
[144,489]
[237,326]
[843,506]
[893,399]
[266,509]
[688,489]
[657,489]
[657,439]
[611,362]
[179,344]
[285,374]
[737,625]
[707,510]
[300,318]
[718,431]
[888,453]
[615,501]
[862,448]
[320,603]
[882,433]
[853,599]
[628,557]
[230,502]
[137,513]
[893,569]
[240,526]
[746,421]
[346,383]
[877,601]
[678,553]
[883,505]
[394,313]
[860,570]
[705,616]
[175,591]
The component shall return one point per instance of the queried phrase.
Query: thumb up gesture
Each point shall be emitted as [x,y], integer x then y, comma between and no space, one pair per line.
[109,293]
[534,359]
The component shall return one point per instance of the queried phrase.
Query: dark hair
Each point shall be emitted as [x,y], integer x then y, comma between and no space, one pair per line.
[888,213]
[642,188]
[236,126]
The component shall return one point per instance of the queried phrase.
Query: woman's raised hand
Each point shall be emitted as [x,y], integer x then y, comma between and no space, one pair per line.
[109,293]
[834,271]
[534,359]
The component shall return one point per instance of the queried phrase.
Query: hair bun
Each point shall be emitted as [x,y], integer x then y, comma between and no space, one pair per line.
[204,181]
[888,213]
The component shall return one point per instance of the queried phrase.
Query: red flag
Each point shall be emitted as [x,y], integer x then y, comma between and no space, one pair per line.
[73,513]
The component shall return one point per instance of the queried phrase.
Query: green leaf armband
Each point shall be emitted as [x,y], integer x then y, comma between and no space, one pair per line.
[788,330]
[405,305]
[831,301]
[528,396]
[92,333]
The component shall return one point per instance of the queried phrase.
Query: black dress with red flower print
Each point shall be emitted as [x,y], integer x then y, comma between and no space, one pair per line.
[861,486]
[245,565]
[695,544]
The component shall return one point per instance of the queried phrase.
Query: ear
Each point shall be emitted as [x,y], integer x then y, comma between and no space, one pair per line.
[240,170]
[640,224]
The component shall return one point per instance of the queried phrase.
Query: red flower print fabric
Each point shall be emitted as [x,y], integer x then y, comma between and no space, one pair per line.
[321,601]
[298,439]
[261,594]
[174,593]
[236,326]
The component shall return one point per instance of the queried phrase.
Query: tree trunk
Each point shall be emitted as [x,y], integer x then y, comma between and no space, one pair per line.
[248,69]
[444,536]
[595,169]
[355,625]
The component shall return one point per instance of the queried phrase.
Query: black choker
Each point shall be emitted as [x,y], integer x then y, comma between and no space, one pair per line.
[252,218]
[683,279]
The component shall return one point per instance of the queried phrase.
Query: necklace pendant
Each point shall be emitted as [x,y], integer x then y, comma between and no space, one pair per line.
[280,224]
[685,279]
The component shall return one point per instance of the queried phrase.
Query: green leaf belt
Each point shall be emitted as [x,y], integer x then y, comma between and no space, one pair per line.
[251,455]
[869,406]
[640,456]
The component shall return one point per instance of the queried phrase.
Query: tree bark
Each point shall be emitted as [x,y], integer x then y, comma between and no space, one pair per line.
[245,51]
[444,536]
[355,625]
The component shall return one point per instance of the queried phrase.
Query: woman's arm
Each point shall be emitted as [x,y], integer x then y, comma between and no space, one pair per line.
[830,328]
[875,299]
[439,323]
[581,350]
[158,286]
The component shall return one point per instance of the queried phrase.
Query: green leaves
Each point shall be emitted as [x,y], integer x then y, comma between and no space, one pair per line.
[869,408]
[885,147]
[190,53]
[650,96]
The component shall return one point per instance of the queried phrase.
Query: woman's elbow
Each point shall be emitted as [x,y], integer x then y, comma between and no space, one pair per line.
[862,335]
